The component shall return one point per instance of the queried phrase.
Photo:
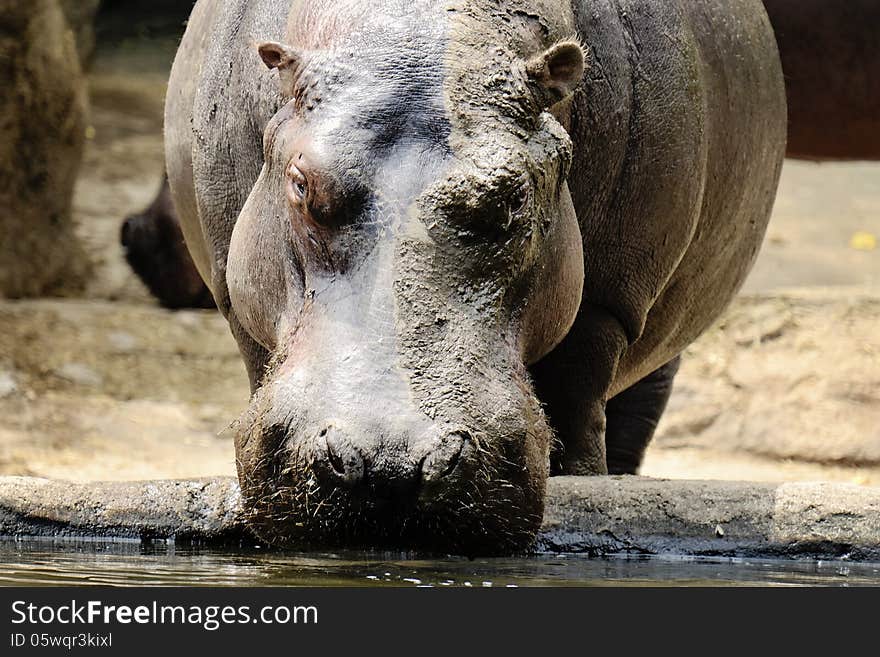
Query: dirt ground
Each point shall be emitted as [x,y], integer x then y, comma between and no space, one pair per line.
[111,387]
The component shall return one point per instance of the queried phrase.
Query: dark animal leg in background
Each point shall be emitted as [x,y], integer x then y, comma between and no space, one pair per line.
[156,251]
[632,416]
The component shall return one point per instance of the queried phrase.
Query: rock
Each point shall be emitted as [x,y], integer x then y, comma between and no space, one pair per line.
[7,384]
[80,15]
[43,104]
[791,376]
[79,374]
[122,340]
[606,515]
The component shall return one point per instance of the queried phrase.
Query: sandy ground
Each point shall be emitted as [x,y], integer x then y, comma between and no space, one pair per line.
[786,387]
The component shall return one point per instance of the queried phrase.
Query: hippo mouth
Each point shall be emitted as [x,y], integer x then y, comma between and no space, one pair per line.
[472,500]
[306,518]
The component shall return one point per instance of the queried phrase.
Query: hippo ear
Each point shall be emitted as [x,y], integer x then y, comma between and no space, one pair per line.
[277,55]
[286,59]
[556,72]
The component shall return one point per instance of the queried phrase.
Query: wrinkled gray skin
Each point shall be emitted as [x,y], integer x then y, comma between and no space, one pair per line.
[442,246]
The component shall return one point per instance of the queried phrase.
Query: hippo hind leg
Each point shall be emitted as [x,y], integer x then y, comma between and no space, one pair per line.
[631,418]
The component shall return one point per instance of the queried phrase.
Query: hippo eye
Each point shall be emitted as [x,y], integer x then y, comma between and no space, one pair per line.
[297,185]
[520,199]
[519,202]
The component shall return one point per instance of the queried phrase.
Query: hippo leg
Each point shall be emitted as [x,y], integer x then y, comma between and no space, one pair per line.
[573,383]
[631,418]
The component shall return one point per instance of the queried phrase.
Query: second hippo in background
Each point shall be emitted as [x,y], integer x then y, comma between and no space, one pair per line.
[154,247]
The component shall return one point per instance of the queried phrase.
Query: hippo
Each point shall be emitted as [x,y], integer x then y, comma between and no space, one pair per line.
[462,244]
[830,57]
[154,248]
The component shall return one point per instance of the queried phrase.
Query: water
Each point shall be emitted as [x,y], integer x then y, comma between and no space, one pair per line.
[62,562]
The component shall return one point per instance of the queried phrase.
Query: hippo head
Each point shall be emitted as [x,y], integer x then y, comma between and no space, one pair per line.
[409,249]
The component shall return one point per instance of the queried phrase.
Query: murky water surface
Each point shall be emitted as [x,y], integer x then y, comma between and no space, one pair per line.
[35,563]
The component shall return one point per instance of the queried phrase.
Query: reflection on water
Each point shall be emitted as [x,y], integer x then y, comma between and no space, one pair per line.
[63,562]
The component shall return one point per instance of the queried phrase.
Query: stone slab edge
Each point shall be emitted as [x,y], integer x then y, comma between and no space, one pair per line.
[597,515]
[195,510]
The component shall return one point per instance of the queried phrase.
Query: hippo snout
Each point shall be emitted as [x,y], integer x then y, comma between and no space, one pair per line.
[368,479]
[325,462]
[407,474]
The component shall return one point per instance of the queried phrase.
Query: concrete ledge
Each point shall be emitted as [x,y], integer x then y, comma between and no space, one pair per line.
[605,515]
[197,510]
[597,515]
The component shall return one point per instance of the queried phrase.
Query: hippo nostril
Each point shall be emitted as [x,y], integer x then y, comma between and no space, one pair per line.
[443,461]
[335,461]
[344,460]
[452,462]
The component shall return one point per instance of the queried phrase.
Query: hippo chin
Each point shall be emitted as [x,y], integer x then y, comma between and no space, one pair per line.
[461,244]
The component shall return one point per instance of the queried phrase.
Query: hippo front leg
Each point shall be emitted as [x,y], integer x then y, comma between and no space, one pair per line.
[573,383]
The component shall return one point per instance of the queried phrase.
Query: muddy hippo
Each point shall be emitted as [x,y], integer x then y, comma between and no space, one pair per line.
[461,244]
[154,248]
[831,59]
